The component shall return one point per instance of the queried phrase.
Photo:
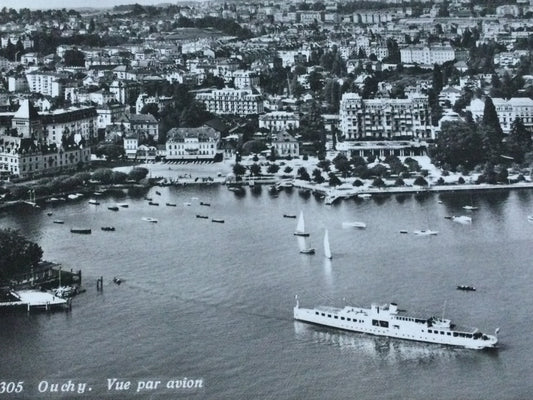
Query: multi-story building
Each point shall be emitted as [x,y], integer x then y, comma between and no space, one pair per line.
[284,144]
[108,114]
[232,101]
[279,120]
[384,118]
[17,83]
[76,122]
[131,144]
[245,79]
[144,99]
[427,55]
[46,83]
[144,125]
[507,110]
[24,152]
[192,143]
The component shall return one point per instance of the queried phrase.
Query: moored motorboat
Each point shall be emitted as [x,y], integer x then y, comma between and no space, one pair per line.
[123,205]
[205,204]
[58,221]
[202,216]
[113,208]
[108,228]
[171,204]
[83,231]
[391,322]
[289,216]
[462,219]
[354,224]
[467,288]
[425,232]
[149,219]
[94,202]
[530,218]
[220,221]
[153,203]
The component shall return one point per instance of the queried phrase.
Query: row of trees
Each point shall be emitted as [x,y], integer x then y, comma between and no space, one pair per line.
[68,183]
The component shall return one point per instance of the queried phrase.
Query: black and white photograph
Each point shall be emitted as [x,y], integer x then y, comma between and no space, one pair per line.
[243,199]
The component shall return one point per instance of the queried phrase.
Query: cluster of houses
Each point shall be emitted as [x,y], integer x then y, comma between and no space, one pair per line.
[51,112]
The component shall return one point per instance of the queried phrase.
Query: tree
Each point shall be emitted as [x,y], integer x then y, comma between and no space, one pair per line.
[74,58]
[273,168]
[137,173]
[303,174]
[437,79]
[317,176]
[519,141]
[458,143]
[104,175]
[195,115]
[342,164]
[255,169]
[378,182]
[420,181]
[239,169]
[92,26]
[151,108]
[315,80]
[334,180]
[17,254]
[111,151]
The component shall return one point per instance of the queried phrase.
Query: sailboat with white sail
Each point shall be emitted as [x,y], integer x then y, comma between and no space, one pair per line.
[300,226]
[327,250]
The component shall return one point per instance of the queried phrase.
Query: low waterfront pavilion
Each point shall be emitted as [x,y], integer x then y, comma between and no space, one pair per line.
[383,149]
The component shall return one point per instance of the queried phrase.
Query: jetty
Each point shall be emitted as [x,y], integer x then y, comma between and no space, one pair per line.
[31,299]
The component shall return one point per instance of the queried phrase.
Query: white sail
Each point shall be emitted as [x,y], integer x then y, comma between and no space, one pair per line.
[327,250]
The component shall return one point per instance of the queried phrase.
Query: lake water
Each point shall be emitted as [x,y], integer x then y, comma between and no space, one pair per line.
[211,304]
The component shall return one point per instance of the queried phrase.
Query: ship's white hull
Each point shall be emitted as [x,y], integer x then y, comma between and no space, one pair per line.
[367,321]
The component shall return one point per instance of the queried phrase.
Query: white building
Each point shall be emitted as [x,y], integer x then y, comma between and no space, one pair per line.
[192,143]
[144,99]
[108,114]
[131,145]
[384,118]
[427,55]
[279,121]
[45,83]
[232,101]
[245,79]
[284,144]
[76,122]
[507,110]
[29,154]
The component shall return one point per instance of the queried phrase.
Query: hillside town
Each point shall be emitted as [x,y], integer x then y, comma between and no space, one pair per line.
[218,81]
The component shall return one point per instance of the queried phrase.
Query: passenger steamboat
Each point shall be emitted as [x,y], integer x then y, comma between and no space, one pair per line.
[389,321]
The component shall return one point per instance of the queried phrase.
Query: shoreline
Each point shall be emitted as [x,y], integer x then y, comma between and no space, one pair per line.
[334,192]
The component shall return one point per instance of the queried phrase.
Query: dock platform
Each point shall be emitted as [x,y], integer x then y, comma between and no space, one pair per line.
[30,299]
